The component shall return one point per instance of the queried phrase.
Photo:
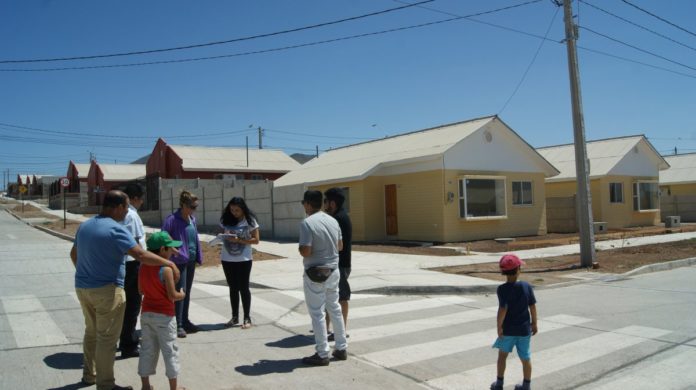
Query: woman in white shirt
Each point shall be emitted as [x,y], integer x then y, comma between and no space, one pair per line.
[240,224]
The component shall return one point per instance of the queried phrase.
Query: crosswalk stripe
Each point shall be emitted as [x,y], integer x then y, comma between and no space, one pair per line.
[259,305]
[202,315]
[554,359]
[299,294]
[12,236]
[439,348]
[431,322]
[31,325]
[674,372]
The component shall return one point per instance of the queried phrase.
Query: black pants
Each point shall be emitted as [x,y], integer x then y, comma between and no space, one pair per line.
[237,275]
[182,307]
[129,339]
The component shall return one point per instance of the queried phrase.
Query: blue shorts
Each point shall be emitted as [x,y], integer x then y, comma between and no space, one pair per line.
[506,343]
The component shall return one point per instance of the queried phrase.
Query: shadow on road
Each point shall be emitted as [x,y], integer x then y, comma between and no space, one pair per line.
[73,386]
[64,361]
[264,367]
[295,341]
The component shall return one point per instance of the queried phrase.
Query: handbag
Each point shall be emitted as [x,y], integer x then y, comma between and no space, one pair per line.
[318,274]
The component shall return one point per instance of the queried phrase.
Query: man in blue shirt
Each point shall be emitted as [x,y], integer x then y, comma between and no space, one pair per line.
[98,255]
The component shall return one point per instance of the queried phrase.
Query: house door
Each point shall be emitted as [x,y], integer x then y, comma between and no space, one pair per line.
[390,210]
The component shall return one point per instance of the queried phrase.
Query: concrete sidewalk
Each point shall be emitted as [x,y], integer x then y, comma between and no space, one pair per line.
[389,272]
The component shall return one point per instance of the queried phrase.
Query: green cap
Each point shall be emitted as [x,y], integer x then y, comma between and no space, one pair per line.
[160,239]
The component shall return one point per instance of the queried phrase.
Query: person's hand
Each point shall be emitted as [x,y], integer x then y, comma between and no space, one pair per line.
[535,330]
[500,331]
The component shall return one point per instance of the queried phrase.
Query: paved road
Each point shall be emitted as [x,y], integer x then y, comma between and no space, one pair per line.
[635,333]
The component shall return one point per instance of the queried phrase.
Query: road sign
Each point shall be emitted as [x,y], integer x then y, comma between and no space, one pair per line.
[22,189]
[64,182]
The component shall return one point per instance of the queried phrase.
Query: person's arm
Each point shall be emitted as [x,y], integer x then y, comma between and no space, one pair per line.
[169,284]
[305,250]
[501,317]
[305,246]
[533,313]
[73,255]
[149,258]
[340,245]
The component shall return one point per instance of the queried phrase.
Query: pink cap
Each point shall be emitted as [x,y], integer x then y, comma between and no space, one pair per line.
[509,262]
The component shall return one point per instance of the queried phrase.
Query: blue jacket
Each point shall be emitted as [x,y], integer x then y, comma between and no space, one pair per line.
[175,225]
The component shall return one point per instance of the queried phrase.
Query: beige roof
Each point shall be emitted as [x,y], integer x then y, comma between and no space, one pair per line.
[122,172]
[682,169]
[604,155]
[82,170]
[356,162]
[204,158]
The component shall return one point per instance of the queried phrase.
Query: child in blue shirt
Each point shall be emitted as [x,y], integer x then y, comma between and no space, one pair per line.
[517,321]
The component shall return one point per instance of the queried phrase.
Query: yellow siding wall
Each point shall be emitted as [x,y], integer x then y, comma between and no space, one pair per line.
[679,189]
[520,221]
[564,189]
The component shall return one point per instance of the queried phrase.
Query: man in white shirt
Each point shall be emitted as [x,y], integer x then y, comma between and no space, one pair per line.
[132,222]
[320,241]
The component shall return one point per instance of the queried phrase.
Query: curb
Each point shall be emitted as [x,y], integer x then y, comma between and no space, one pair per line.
[661,267]
[55,233]
[431,290]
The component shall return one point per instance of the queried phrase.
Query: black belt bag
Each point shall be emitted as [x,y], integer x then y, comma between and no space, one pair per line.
[318,274]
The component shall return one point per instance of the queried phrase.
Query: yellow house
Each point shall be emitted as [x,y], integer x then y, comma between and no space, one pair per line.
[678,187]
[470,180]
[623,175]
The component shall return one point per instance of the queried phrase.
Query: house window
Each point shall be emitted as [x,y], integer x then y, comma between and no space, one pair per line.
[522,193]
[645,196]
[256,177]
[482,197]
[616,193]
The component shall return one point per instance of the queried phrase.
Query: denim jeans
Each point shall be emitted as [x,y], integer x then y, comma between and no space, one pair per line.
[186,280]
[320,298]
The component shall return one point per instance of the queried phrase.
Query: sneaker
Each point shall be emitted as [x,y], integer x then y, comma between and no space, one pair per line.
[521,387]
[180,333]
[191,328]
[233,322]
[496,386]
[331,336]
[117,387]
[129,353]
[340,354]
[88,382]
[315,360]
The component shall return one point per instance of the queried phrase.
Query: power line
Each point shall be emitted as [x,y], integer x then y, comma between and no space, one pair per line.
[315,43]
[636,47]
[658,17]
[131,53]
[639,26]
[536,54]
[318,135]
[635,61]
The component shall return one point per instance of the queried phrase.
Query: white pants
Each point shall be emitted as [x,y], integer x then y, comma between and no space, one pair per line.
[321,297]
[158,333]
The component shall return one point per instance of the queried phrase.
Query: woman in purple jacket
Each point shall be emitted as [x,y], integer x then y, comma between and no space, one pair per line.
[181,226]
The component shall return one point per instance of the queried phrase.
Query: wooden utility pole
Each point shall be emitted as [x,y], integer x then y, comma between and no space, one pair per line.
[584,198]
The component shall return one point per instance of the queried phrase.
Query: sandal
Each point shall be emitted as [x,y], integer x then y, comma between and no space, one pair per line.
[233,322]
[247,323]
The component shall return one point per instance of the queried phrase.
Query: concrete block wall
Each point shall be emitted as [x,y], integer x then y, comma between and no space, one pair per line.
[681,205]
[287,211]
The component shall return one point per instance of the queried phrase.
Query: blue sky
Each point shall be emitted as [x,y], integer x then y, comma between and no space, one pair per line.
[331,94]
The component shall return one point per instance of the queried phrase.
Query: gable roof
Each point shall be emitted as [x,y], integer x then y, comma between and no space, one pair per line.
[82,170]
[682,169]
[603,155]
[356,162]
[206,158]
[122,172]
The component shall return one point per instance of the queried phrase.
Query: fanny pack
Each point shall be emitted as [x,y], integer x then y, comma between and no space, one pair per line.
[318,274]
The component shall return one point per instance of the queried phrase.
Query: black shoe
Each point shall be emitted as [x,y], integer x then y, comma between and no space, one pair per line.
[233,322]
[315,360]
[88,382]
[191,328]
[180,333]
[340,354]
[129,353]
[117,387]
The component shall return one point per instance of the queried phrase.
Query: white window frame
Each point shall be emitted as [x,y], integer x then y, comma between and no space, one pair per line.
[531,193]
[461,189]
[636,196]
[621,186]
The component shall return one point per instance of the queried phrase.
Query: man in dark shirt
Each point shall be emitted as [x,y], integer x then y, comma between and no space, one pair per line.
[333,205]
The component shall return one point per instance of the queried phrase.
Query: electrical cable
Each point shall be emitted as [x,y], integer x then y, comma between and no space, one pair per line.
[308,44]
[212,43]
[659,18]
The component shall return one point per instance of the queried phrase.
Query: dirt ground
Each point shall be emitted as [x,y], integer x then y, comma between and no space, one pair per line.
[543,271]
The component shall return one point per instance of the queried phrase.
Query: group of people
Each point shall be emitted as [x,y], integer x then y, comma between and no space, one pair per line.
[117,280]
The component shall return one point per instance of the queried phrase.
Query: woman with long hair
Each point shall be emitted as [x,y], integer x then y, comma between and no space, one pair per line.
[181,226]
[240,224]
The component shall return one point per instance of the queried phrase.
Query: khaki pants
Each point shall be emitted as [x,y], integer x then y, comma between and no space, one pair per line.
[103,308]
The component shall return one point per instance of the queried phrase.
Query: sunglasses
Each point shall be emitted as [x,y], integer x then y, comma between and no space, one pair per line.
[192,206]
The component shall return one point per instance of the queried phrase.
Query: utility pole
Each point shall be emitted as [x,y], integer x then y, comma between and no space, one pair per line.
[584,198]
[260,138]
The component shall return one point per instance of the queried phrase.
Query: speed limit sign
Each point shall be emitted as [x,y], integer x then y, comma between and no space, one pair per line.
[64,182]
